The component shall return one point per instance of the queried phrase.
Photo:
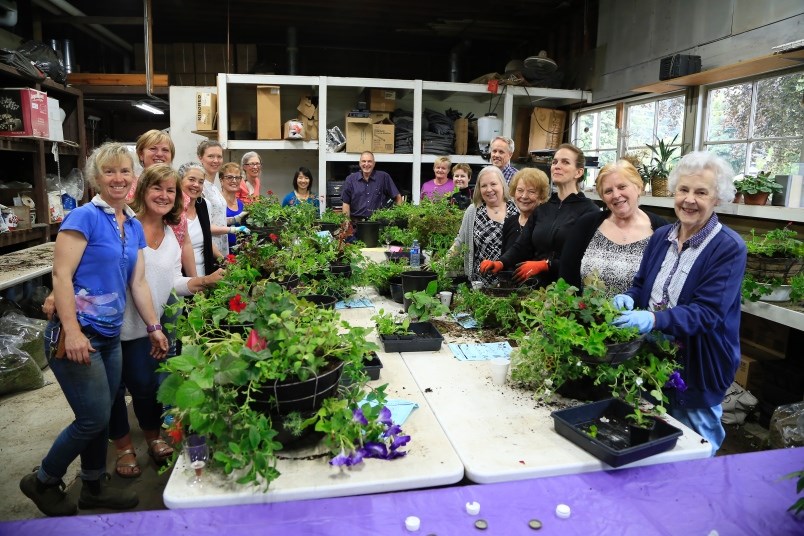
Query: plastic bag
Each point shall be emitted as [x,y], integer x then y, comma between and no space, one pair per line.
[28,332]
[18,370]
[787,426]
[737,405]
[20,61]
[73,185]
[46,59]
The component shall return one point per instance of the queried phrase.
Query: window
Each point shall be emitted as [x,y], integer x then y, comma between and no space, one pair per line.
[758,125]
[648,122]
[597,136]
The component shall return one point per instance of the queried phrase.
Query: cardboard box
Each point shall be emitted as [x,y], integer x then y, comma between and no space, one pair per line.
[206,110]
[293,130]
[307,109]
[522,132]
[359,134]
[310,130]
[54,120]
[23,112]
[377,117]
[749,373]
[546,129]
[381,100]
[382,137]
[269,121]
[461,136]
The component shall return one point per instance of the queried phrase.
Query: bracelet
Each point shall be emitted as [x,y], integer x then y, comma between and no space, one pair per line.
[153,327]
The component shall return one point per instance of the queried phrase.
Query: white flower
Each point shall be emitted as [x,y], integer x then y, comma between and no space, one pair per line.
[548,382]
[639,381]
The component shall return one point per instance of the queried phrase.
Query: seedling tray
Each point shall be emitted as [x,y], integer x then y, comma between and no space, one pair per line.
[425,338]
[372,366]
[611,445]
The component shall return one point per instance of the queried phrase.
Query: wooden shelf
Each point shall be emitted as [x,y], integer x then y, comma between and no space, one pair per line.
[38,231]
[743,69]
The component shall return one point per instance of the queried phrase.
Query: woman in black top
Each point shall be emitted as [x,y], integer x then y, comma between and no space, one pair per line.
[461,175]
[538,249]
[529,188]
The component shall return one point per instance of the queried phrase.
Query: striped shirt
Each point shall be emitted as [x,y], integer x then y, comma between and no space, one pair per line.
[676,265]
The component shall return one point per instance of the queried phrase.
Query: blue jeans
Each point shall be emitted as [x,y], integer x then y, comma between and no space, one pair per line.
[139,376]
[705,421]
[89,390]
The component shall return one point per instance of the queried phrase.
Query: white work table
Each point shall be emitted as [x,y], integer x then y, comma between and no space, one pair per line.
[430,461]
[25,264]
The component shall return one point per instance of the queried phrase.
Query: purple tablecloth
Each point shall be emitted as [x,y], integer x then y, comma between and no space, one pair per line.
[739,494]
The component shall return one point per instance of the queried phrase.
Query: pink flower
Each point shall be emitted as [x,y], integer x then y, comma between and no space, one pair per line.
[255,342]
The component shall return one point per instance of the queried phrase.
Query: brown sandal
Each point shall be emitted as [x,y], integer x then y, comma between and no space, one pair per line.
[159,451]
[130,469]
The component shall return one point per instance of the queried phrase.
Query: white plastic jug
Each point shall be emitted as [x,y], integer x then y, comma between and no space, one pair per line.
[488,127]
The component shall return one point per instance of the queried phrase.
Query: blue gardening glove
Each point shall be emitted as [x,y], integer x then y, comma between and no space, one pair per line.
[623,302]
[239,229]
[643,320]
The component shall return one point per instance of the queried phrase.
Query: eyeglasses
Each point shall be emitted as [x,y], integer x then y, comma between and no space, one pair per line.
[253,164]
[232,178]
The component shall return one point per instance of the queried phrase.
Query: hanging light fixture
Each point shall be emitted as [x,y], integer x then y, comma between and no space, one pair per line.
[148,108]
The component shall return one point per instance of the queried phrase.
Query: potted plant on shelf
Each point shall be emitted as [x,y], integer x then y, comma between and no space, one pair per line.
[774,266]
[756,189]
[658,169]
[232,387]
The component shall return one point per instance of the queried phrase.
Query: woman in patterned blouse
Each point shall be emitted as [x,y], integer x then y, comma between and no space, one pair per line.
[481,229]
[608,245]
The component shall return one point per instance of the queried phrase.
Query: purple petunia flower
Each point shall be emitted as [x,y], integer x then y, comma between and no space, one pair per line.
[676,382]
[358,416]
[340,460]
[374,449]
[392,430]
[400,441]
[385,416]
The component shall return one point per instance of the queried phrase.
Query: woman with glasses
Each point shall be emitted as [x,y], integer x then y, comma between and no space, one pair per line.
[302,189]
[249,191]
[231,179]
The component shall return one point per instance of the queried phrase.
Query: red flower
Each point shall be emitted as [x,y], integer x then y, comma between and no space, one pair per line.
[231,259]
[237,304]
[175,432]
[270,192]
[255,342]
[273,237]
[581,305]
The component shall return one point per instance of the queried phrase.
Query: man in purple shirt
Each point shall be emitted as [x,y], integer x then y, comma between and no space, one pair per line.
[367,190]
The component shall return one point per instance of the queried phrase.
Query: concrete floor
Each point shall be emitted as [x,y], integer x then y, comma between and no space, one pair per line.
[30,421]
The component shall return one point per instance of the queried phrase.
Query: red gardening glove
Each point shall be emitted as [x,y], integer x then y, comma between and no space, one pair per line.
[490,266]
[528,269]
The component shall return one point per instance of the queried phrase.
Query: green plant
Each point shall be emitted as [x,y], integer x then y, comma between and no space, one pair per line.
[397,213]
[388,325]
[435,224]
[797,507]
[330,216]
[659,165]
[489,311]
[754,184]
[395,234]
[775,243]
[265,211]
[425,304]
[212,384]
[379,274]
[560,325]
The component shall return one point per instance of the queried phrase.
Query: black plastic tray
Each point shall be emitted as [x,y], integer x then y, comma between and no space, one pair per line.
[372,366]
[569,422]
[426,339]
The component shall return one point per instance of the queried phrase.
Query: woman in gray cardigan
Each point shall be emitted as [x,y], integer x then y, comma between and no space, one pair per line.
[481,228]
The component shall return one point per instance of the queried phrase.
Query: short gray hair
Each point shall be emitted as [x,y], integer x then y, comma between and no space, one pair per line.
[698,161]
[508,141]
[477,197]
[248,155]
[187,166]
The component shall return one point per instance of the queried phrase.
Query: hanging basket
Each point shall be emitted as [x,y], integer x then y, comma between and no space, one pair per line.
[766,268]
[616,353]
[659,187]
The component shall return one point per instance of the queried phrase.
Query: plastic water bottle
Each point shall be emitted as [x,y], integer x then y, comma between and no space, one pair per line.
[415,255]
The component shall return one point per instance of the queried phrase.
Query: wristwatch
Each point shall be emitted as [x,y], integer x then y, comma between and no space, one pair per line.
[154,327]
